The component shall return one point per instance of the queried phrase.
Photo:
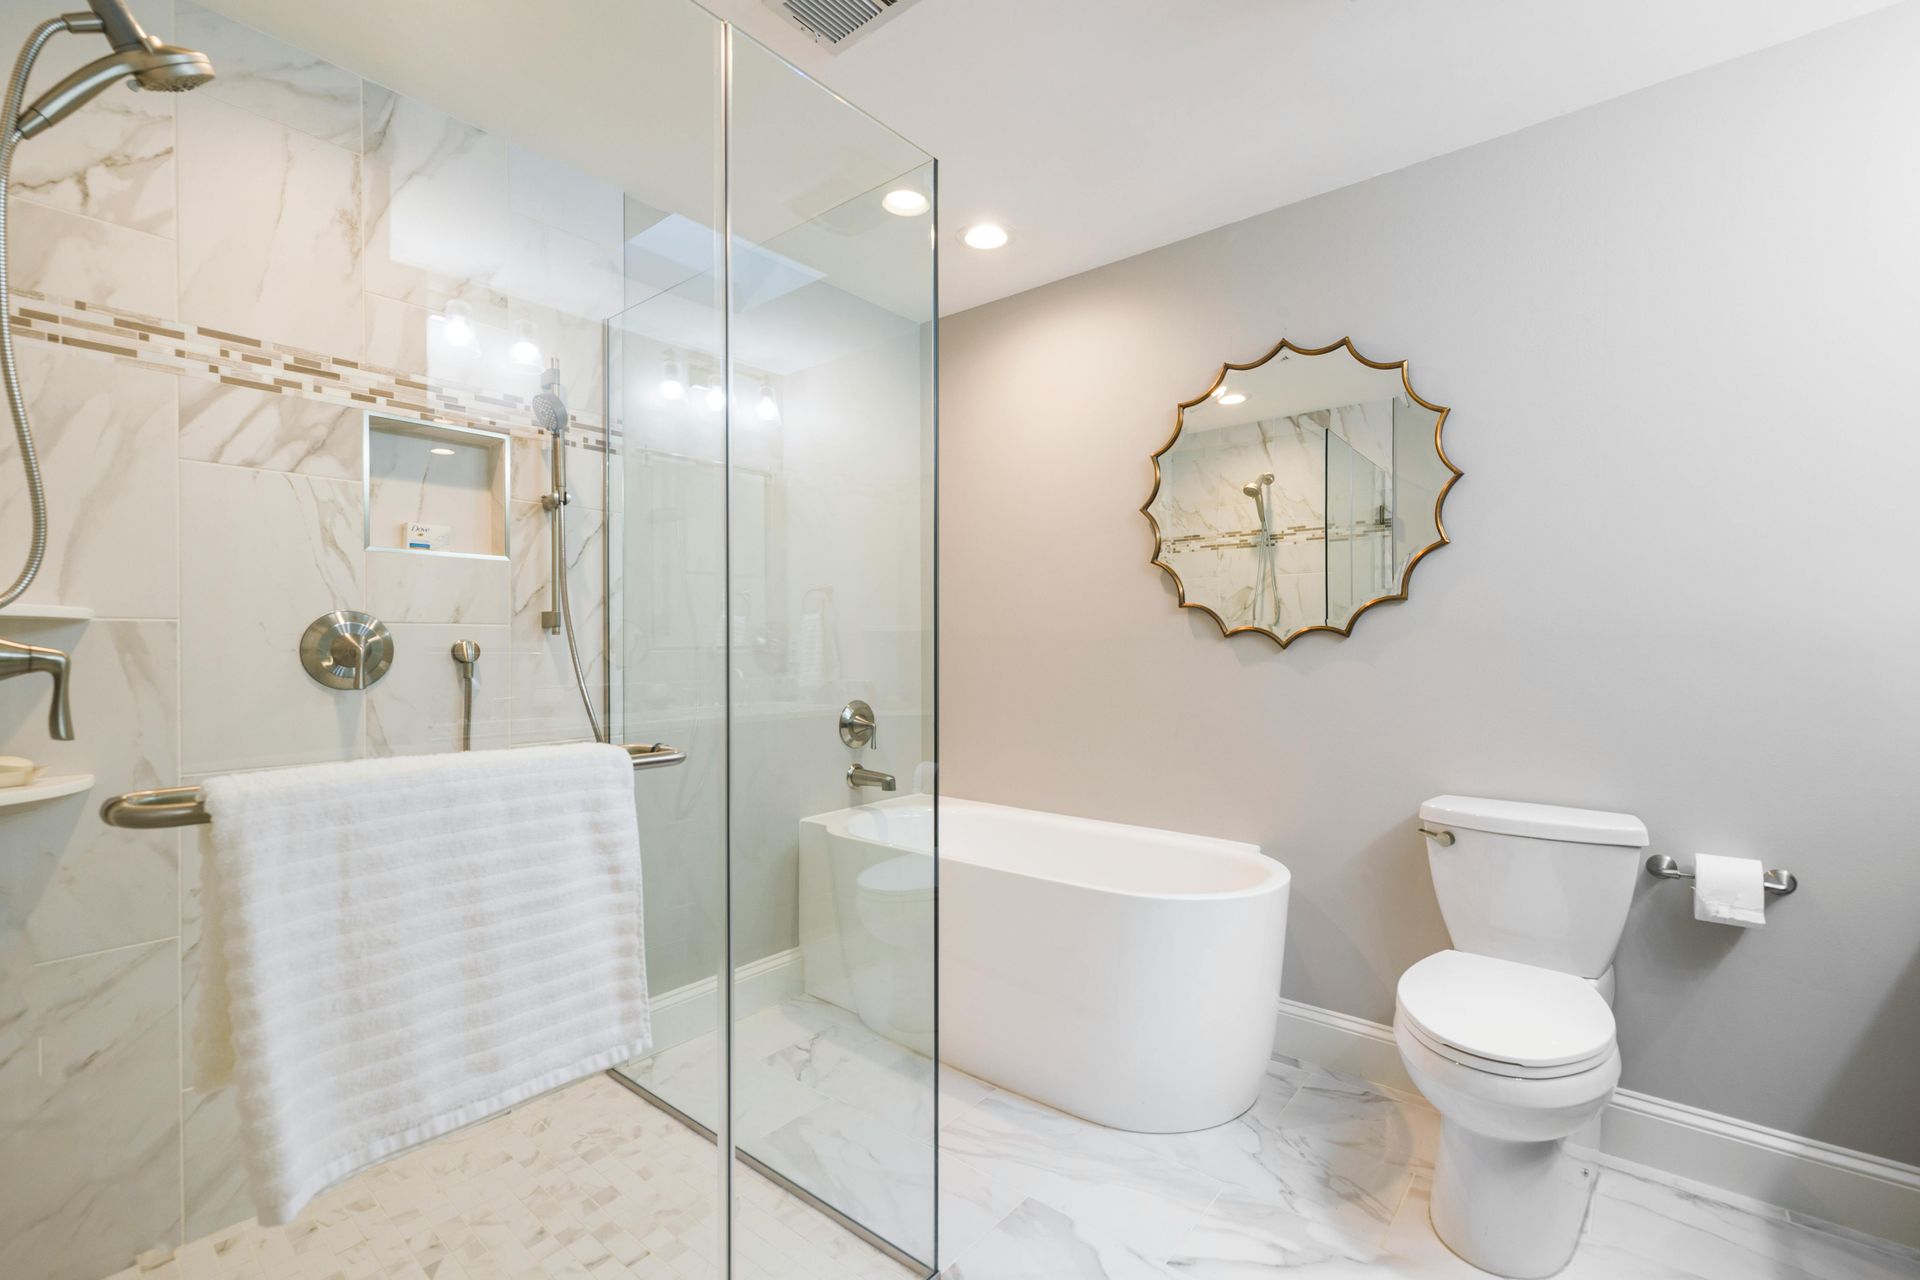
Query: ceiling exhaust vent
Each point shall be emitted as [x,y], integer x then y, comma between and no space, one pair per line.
[834,23]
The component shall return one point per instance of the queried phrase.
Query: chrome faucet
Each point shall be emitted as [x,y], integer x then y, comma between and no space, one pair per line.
[21,659]
[859,776]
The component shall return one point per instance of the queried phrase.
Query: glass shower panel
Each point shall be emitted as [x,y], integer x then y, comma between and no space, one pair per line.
[830,654]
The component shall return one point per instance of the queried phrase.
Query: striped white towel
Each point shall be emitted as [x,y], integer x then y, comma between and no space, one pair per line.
[397,947]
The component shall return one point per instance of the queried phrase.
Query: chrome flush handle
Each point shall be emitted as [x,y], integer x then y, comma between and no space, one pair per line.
[1442,838]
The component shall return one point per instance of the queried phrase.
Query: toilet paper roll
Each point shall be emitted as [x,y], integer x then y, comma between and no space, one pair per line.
[1729,891]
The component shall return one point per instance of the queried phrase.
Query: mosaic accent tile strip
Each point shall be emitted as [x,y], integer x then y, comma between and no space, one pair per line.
[171,346]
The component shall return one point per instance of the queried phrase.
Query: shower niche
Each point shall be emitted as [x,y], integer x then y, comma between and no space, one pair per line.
[436,489]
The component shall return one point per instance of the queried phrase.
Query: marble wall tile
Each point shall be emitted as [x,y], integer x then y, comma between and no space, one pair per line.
[586,471]
[280,431]
[90,1114]
[406,587]
[546,703]
[62,255]
[113,160]
[437,202]
[530,539]
[269,230]
[264,553]
[398,334]
[268,77]
[213,1163]
[416,708]
[104,432]
[70,884]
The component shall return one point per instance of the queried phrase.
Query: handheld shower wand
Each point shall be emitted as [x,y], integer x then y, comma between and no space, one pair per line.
[143,61]
[550,413]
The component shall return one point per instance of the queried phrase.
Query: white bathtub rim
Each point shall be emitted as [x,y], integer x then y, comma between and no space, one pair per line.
[1275,876]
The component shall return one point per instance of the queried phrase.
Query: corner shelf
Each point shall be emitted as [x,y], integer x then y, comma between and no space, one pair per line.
[46,612]
[65,784]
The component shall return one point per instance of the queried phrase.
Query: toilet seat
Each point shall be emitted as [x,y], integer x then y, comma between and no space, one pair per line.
[1505,1018]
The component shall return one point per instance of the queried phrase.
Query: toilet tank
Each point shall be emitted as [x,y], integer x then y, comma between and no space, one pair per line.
[1534,883]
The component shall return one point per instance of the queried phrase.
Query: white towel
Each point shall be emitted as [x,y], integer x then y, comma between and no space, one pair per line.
[398,947]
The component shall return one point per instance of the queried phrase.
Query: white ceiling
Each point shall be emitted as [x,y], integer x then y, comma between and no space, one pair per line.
[1096,129]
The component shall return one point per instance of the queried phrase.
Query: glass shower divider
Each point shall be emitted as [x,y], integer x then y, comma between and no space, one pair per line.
[771,598]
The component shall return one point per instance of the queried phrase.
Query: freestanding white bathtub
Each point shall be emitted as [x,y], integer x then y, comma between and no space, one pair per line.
[1123,974]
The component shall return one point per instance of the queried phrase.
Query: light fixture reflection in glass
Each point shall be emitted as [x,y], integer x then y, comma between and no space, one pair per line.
[525,351]
[906,202]
[673,386]
[716,397]
[985,235]
[768,408]
[1233,397]
[456,324]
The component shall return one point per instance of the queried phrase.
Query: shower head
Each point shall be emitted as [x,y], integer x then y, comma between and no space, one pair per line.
[141,60]
[550,406]
[550,412]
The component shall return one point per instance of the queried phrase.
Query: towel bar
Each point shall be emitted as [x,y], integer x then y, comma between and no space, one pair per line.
[1777,883]
[187,806]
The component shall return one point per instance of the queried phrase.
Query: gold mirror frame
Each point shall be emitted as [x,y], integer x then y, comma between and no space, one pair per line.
[1406,574]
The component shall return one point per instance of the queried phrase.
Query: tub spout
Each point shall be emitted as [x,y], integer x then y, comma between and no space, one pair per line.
[23,659]
[859,776]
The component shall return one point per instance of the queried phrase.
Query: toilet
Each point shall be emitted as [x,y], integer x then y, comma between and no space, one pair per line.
[1510,1035]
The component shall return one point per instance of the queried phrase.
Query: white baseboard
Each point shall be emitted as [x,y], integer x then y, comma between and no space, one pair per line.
[1848,1188]
[689,1012]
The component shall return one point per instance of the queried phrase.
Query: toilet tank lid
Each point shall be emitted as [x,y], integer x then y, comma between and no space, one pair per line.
[1538,821]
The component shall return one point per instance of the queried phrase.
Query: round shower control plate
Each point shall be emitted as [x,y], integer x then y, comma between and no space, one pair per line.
[336,646]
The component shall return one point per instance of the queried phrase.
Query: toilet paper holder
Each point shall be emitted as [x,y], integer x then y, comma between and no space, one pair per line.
[1777,883]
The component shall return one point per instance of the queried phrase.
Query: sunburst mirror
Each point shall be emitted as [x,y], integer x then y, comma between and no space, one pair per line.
[1299,491]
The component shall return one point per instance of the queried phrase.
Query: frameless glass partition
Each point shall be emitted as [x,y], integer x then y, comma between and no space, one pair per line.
[771,606]
[830,650]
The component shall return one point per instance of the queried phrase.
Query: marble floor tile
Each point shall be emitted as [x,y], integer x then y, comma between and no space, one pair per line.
[1106,1181]
[1038,1242]
[1706,1235]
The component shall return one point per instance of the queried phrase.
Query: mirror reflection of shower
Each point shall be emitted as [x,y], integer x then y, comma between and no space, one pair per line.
[550,413]
[1266,584]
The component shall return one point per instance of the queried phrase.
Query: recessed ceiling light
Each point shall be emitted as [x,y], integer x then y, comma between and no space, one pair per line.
[442,450]
[985,235]
[906,202]
[1233,397]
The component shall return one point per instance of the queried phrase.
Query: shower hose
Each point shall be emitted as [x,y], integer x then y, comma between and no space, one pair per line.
[9,370]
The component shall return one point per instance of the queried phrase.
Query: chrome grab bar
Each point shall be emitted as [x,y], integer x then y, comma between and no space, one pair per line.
[1777,883]
[187,806]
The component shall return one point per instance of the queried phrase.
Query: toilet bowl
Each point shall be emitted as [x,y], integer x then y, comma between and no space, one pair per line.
[1519,1061]
[1511,1035]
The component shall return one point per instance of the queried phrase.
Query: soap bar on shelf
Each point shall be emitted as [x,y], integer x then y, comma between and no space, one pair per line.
[428,537]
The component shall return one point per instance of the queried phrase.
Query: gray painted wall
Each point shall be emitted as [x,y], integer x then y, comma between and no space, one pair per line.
[1681,335]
